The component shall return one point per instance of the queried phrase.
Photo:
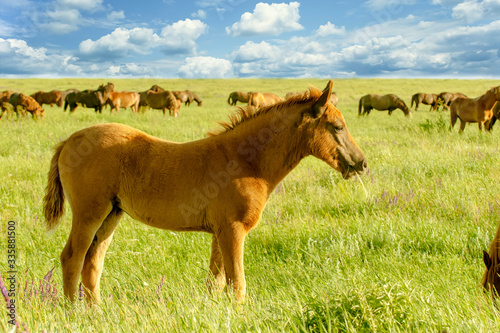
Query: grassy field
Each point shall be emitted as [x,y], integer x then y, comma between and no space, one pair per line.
[402,253]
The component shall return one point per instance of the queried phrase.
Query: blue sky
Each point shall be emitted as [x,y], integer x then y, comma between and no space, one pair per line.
[238,38]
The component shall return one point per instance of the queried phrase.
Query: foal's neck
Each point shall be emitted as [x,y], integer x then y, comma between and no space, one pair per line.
[271,146]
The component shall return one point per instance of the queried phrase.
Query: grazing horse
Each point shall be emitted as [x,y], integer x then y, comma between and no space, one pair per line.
[238,96]
[50,98]
[445,99]
[123,99]
[187,97]
[477,110]
[4,98]
[258,99]
[162,101]
[491,278]
[389,102]
[27,104]
[89,98]
[219,184]
[423,98]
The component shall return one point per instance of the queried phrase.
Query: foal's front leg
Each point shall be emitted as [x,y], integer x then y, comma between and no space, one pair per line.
[231,241]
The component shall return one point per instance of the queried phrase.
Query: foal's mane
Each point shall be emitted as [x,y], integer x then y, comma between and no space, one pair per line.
[247,113]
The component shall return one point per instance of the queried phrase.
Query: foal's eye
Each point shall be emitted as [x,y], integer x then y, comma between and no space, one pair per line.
[336,128]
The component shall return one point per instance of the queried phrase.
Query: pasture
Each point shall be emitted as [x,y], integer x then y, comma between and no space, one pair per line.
[401,251]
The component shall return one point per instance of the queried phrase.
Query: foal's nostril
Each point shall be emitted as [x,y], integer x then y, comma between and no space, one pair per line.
[365,165]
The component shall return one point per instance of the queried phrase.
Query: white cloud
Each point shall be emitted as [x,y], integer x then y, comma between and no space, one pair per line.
[393,5]
[61,21]
[116,16]
[18,58]
[180,37]
[206,67]
[329,29]
[89,5]
[119,43]
[473,10]
[268,19]
[200,13]
[251,51]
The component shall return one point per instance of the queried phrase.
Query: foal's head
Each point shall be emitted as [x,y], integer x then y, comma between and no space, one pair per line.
[330,139]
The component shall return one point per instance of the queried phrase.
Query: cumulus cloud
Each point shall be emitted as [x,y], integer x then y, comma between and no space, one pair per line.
[268,19]
[181,36]
[118,44]
[89,5]
[206,67]
[18,58]
[200,13]
[116,16]
[473,10]
[392,4]
[329,29]
[177,38]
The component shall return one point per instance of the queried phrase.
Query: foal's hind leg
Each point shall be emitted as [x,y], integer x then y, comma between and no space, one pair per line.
[217,278]
[85,225]
[94,260]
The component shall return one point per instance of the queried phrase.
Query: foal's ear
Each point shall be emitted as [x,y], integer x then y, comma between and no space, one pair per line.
[487,260]
[320,106]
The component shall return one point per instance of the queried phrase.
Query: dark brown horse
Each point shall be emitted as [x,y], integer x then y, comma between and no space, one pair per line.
[92,99]
[24,103]
[477,110]
[423,98]
[389,102]
[187,97]
[445,99]
[219,184]
[496,115]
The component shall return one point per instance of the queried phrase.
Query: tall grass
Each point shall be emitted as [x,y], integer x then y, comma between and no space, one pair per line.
[400,251]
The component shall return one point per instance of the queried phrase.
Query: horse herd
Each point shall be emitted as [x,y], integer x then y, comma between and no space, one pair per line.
[155,98]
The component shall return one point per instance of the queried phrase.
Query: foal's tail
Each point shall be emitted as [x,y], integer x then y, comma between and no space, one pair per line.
[360,105]
[53,202]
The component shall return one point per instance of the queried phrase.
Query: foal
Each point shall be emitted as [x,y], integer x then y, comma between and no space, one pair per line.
[219,184]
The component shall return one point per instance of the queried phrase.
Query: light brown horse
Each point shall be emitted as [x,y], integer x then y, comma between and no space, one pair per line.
[162,101]
[388,102]
[50,98]
[123,99]
[491,278]
[219,184]
[258,99]
[423,98]
[238,96]
[477,110]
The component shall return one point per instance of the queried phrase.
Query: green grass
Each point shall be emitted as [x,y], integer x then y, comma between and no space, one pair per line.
[400,252]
